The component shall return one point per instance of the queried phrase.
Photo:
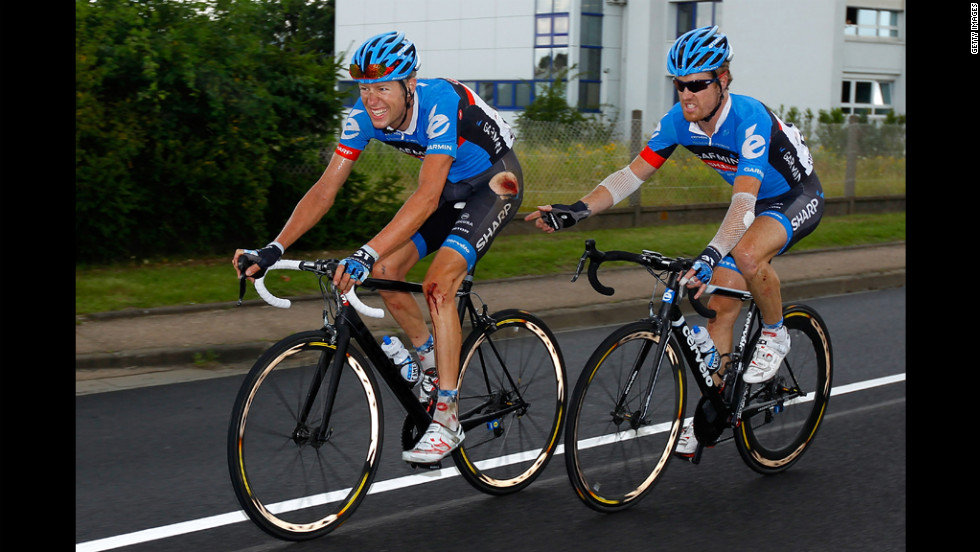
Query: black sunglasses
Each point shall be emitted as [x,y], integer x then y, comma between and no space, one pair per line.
[694,85]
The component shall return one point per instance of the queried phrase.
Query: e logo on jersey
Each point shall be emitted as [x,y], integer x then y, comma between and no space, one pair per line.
[351,128]
[754,145]
[438,124]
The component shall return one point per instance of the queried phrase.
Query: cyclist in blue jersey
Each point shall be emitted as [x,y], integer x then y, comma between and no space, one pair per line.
[470,185]
[776,200]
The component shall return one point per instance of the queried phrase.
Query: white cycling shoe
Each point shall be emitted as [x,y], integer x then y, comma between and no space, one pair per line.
[436,443]
[769,354]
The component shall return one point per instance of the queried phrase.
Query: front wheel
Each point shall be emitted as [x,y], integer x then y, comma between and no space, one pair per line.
[782,415]
[300,468]
[625,418]
[512,398]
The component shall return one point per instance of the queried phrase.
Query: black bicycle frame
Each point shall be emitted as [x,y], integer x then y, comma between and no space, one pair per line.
[676,325]
[348,325]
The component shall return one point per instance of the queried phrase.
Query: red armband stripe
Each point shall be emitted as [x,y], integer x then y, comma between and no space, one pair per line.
[652,157]
[347,153]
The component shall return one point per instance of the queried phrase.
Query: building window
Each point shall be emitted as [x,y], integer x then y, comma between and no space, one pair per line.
[551,28]
[591,29]
[507,95]
[552,6]
[550,62]
[514,94]
[588,96]
[866,22]
[552,40]
[694,15]
[866,97]
[589,70]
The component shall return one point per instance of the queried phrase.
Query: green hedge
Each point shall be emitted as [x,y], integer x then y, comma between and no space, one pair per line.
[187,114]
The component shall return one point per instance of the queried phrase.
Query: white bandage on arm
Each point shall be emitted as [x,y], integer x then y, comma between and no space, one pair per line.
[740,215]
[621,184]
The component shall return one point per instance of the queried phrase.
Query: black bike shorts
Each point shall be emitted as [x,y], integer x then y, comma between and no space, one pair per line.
[469,222]
[799,211]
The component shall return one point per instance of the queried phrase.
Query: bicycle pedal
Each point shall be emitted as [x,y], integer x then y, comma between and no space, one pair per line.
[696,459]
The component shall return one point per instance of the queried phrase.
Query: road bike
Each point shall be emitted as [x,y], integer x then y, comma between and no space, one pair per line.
[306,431]
[627,409]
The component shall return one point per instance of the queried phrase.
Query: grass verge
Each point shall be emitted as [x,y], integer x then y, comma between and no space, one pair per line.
[168,282]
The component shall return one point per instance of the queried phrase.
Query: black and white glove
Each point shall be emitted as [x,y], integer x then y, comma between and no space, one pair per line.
[705,264]
[360,263]
[565,216]
[265,257]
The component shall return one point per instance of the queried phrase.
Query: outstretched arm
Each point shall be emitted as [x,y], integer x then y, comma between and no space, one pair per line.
[310,209]
[613,189]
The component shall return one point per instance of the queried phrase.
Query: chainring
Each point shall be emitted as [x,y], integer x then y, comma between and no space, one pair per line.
[708,424]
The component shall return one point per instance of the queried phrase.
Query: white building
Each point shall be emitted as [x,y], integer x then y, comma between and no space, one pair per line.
[807,54]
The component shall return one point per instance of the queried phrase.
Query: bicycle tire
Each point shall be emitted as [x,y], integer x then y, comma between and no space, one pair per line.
[296,488]
[512,400]
[781,417]
[614,458]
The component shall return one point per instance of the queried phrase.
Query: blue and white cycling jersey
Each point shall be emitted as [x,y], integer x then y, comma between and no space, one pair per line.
[447,118]
[749,140]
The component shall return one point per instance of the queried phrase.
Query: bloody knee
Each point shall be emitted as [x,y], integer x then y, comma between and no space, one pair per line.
[435,296]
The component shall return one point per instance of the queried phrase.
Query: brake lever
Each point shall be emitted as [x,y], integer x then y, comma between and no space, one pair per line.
[581,265]
[241,290]
[244,261]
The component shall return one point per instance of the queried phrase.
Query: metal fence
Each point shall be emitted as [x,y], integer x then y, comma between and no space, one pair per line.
[563,162]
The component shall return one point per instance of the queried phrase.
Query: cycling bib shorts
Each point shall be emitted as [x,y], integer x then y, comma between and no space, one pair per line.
[469,224]
[799,211]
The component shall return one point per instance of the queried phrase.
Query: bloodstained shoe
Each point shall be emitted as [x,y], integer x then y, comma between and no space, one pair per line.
[436,443]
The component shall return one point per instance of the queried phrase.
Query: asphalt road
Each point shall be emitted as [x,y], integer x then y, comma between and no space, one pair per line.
[150,474]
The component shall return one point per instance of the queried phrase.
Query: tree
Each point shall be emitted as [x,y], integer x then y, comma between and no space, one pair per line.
[551,105]
[185,114]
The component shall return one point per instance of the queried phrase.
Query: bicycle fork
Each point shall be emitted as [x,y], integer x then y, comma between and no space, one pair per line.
[303,434]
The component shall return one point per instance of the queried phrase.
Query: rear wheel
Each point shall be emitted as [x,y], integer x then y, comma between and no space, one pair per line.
[782,416]
[512,397]
[297,474]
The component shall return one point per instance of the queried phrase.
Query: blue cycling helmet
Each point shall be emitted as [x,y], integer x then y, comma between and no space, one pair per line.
[697,51]
[384,57]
